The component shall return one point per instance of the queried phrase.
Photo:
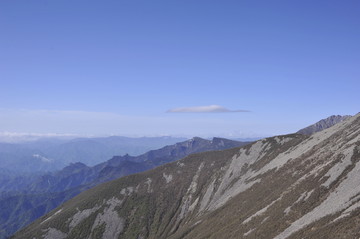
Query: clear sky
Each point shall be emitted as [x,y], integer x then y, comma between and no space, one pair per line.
[155,67]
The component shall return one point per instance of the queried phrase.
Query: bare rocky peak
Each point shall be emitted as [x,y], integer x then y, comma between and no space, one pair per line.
[290,186]
[323,124]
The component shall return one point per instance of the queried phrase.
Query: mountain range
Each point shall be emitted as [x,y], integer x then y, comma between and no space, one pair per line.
[26,198]
[289,186]
[51,154]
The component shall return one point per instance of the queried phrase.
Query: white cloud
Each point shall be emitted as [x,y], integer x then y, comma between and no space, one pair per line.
[204,109]
[17,137]
[42,158]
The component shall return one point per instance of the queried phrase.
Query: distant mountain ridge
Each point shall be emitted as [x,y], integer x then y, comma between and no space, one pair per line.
[38,195]
[77,174]
[53,154]
[290,186]
[323,124]
[115,167]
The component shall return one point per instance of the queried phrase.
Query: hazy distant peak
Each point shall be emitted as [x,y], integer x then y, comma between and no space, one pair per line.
[198,139]
[74,166]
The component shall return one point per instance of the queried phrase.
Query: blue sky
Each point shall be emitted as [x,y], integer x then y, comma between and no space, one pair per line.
[119,67]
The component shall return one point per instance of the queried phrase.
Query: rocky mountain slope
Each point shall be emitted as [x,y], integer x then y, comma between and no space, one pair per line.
[323,124]
[291,186]
[37,195]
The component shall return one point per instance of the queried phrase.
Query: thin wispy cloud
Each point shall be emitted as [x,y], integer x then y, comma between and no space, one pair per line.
[19,125]
[204,109]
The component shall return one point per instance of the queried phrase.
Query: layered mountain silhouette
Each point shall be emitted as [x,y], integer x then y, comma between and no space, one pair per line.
[36,195]
[54,154]
[77,174]
[290,186]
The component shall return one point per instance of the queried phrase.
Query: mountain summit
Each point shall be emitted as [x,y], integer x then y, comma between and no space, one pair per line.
[290,186]
[323,124]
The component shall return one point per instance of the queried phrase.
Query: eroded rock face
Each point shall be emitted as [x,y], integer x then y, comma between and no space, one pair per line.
[113,224]
[52,233]
[105,220]
[291,186]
